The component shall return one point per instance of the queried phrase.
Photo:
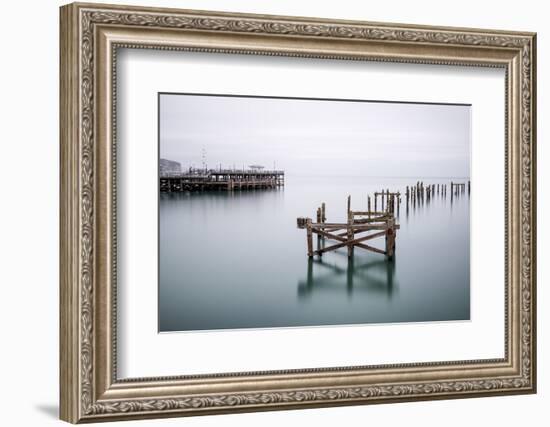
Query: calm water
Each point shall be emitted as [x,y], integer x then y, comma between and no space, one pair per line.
[237,260]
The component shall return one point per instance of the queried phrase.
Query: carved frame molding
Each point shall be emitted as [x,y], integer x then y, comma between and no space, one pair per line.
[90,35]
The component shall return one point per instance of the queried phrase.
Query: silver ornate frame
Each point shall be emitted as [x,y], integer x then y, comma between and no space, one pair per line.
[90,36]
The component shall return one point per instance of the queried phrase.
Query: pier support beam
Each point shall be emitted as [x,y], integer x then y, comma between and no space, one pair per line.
[350,233]
[309,238]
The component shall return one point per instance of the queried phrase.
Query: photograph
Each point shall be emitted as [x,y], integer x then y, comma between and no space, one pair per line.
[307,212]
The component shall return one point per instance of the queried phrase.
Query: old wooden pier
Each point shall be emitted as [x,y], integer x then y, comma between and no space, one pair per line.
[379,222]
[221,179]
[360,227]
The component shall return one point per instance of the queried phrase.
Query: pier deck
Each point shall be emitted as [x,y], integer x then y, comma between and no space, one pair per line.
[229,180]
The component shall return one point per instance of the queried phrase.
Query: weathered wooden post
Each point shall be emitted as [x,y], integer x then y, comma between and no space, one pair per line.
[386,239]
[468,187]
[319,221]
[349,204]
[350,234]
[390,237]
[323,213]
[309,238]
[375,202]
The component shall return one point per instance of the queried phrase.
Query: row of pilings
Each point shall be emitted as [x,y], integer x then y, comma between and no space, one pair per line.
[375,223]
[415,195]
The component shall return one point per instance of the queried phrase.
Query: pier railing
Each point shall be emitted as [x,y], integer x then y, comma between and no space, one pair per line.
[220,179]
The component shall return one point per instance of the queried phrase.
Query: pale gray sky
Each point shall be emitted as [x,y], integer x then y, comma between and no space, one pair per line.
[313,137]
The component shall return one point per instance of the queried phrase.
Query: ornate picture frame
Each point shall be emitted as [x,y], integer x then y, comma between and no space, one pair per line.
[90,37]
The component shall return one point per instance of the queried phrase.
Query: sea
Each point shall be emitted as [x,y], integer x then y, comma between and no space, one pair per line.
[233,260]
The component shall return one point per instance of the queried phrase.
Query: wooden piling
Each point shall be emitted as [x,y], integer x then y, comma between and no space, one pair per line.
[350,234]
[309,238]
[323,213]
[390,238]
[319,221]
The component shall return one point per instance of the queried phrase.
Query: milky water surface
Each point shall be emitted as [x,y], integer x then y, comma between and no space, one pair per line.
[237,260]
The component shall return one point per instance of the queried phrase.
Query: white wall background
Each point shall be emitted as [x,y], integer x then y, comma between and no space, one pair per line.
[29,170]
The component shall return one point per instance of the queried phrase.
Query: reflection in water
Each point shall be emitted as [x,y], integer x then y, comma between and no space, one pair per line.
[376,276]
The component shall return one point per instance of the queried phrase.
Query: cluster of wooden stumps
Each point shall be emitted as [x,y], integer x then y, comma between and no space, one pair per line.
[418,193]
[360,227]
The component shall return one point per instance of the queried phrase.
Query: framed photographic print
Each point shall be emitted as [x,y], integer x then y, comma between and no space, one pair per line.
[266,212]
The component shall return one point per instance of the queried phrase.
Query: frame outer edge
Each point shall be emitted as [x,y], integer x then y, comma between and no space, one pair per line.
[77,339]
[69,354]
[534,270]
